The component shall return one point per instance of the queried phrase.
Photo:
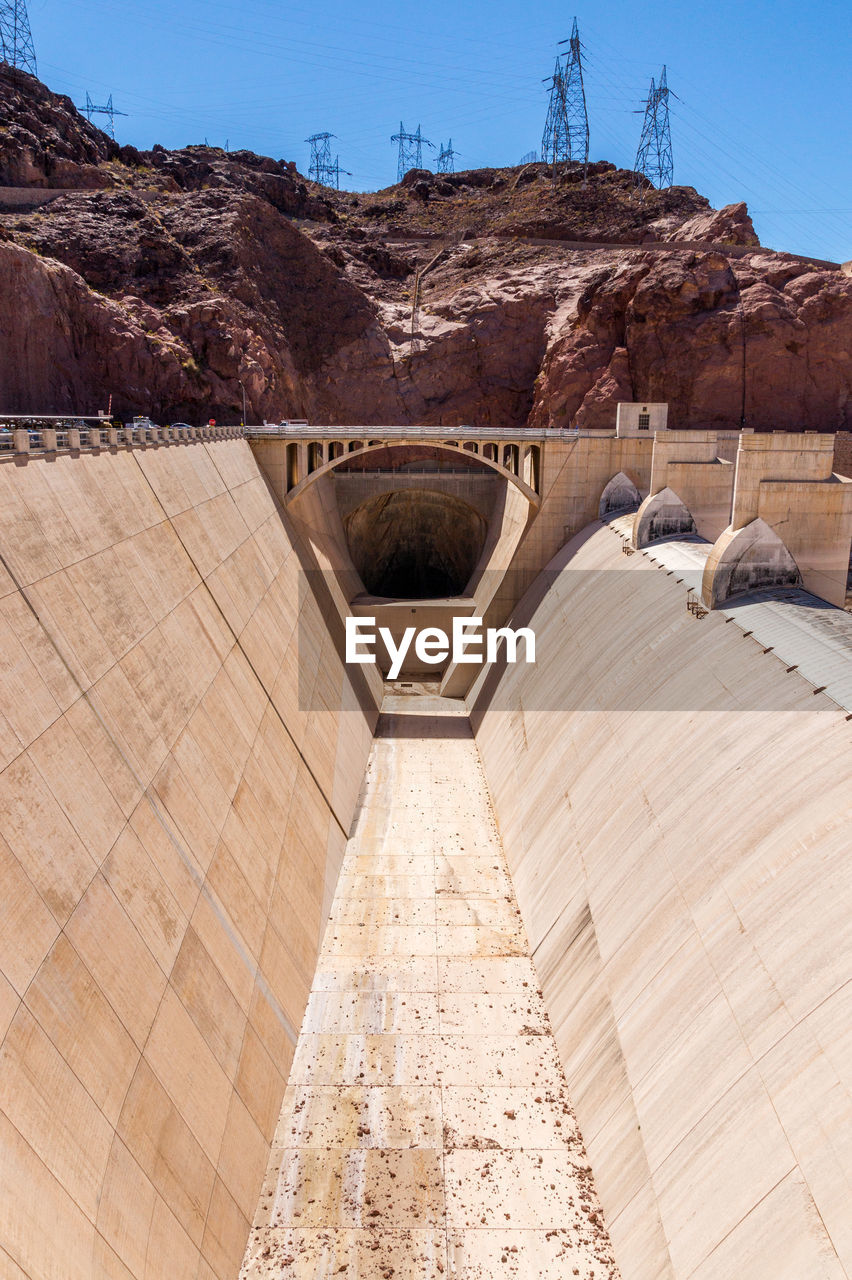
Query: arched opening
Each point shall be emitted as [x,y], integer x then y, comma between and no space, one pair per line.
[415,544]
[314,457]
[471,446]
[620,494]
[335,450]
[489,451]
[355,445]
[411,457]
[292,466]
[510,458]
[532,457]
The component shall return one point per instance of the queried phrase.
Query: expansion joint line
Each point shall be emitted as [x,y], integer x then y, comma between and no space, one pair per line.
[239,645]
[167,827]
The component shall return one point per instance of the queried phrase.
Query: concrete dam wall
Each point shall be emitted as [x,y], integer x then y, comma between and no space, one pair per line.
[179,777]
[676,812]
[206,890]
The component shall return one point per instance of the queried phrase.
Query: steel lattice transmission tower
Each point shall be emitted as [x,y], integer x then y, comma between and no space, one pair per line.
[654,157]
[92,109]
[322,170]
[16,41]
[446,158]
[410,150]
[320,156]
[566,129]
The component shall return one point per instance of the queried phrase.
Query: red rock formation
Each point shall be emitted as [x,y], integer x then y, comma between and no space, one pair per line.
[170,278]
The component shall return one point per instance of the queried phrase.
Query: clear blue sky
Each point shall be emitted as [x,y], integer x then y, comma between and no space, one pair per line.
[765,87]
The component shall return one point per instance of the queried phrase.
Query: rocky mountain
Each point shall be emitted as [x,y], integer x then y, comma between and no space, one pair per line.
[498,296]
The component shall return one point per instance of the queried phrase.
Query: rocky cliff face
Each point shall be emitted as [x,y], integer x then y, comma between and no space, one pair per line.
[167,279]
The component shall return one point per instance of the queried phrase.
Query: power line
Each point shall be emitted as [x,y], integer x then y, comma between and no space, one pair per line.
[16,40]
[410,150]
[92,109]
[654,157]
[446,158]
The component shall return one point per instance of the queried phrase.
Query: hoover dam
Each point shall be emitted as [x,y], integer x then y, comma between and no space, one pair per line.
[505,970]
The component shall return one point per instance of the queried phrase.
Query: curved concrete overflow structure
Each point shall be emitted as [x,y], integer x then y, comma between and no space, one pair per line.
[675,804]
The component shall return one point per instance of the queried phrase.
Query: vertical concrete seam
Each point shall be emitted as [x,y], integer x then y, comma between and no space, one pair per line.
[155,809]
[239,645]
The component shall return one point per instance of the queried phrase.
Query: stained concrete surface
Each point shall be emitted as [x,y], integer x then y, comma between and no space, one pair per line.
[426,1130]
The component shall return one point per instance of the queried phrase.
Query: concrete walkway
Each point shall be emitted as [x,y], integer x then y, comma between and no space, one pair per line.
[426,1131]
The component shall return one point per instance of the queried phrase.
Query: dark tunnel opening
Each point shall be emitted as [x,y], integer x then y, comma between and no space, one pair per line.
[415,544]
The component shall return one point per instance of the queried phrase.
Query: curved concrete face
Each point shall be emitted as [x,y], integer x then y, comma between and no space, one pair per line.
[181,751]
[620,494]
[416,544]
[662,515]
[675,809]
[749,559]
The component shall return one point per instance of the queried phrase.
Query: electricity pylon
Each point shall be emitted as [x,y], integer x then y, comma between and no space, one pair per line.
[654,157]
[16,41]
[410,150]
[446,158]
[320,156]
[321,169]
[92,109]
[566,129]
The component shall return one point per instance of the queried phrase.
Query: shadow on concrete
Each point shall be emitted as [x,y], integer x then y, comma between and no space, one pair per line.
[395,725]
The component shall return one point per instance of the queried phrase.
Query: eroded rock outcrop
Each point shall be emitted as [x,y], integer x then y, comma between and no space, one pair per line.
[172,279]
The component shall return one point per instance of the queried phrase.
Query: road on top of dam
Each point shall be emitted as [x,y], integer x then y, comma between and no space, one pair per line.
[426,1130]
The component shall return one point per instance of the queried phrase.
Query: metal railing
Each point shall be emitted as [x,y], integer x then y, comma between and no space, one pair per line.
[302,431]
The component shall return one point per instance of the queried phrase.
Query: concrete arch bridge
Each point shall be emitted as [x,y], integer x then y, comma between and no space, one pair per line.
[420,526]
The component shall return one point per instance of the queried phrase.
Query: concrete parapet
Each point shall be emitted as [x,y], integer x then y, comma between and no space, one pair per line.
[73,439]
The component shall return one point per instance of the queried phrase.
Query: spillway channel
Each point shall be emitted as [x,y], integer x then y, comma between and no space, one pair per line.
[426,1129]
